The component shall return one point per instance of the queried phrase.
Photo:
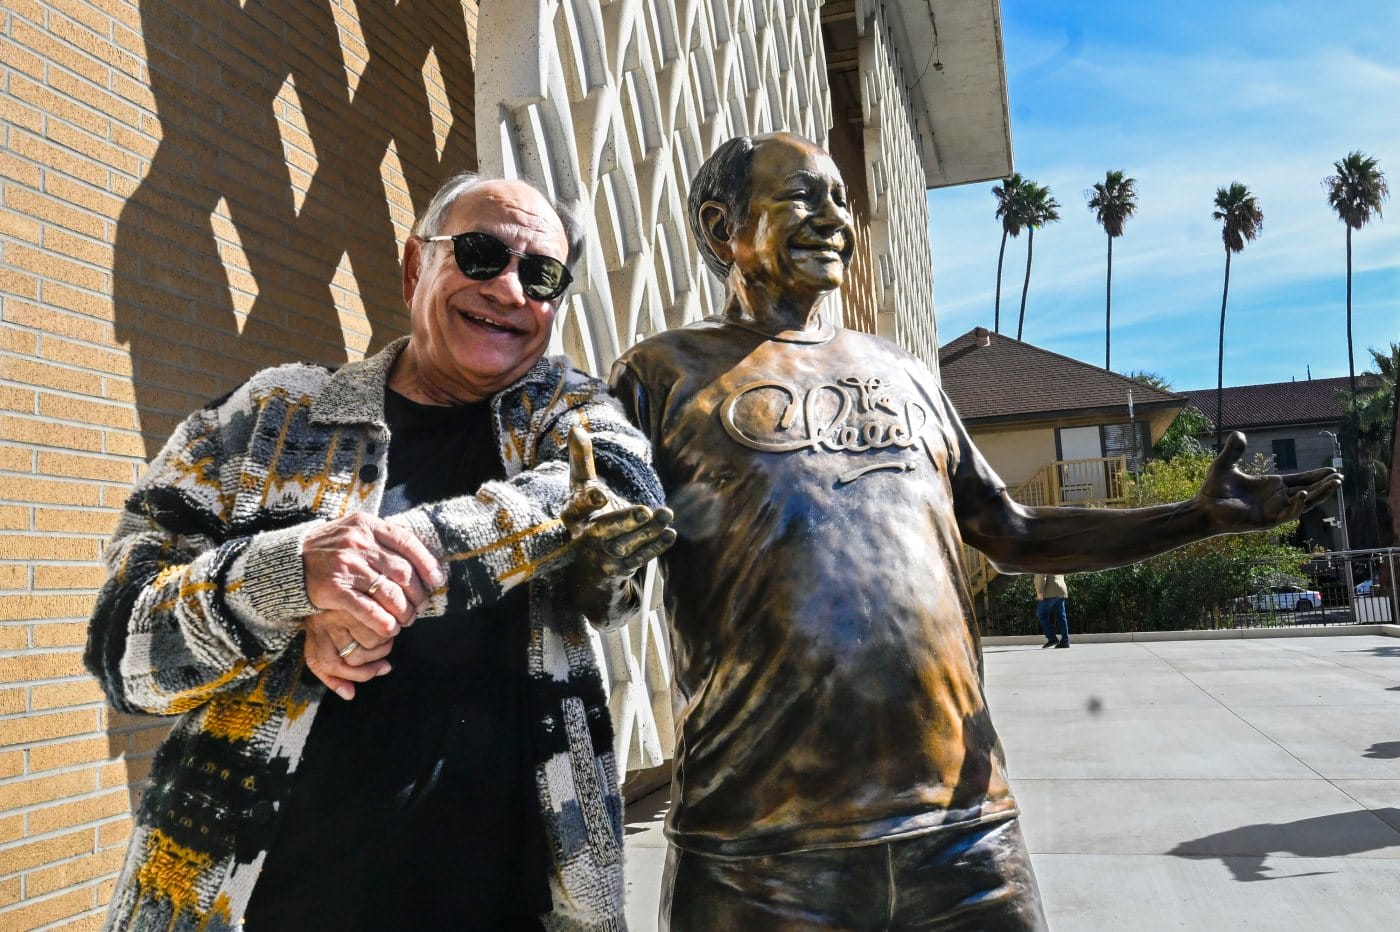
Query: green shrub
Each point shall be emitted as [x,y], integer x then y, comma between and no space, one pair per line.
[1193,587]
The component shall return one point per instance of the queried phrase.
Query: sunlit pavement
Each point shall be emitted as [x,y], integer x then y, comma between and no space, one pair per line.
[1211,785]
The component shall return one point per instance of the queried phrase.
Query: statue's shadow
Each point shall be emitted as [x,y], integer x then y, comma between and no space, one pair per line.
[1245,850]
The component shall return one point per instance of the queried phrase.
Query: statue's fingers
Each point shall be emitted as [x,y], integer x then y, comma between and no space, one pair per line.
[1324,487]
[582,472]
[581,506]
[615,524]
[1232,451]
[640,555]
[1311,478]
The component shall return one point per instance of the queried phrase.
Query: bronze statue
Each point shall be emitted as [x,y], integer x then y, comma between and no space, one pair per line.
[836,765]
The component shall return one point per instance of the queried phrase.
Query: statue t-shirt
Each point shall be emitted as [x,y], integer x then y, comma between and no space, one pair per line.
[827,668]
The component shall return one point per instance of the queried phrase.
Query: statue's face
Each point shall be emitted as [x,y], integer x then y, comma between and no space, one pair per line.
[797,236]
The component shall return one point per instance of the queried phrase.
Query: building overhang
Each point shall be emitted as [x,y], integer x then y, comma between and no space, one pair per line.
[954,62]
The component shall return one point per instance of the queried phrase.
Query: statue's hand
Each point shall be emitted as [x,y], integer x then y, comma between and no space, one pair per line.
[1234,501]
[613,543]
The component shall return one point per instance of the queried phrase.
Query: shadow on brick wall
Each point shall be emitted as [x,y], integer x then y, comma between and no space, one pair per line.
[230,155]
[196,319]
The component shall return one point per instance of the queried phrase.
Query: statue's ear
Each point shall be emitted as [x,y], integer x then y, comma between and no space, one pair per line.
[714,222]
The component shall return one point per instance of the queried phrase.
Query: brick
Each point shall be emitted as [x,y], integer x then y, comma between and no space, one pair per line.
[98,46]
[71,873]
[47,666]
[19,793]
[65,634]
[146,740]
[62,695]
[85,196]
[11,827]
[60,322]
[85,467]
[11,701]
[94,921]
[83,751]
[92,304]
[54,158]
[17,341]
[91,251]
[21,284]
[15,55]
[98,97]
[16,459]
[95,148]
[76,521]
[14,518]
[121,443]
[11,764]
[29,607]
[14,575]
[42,374]
[44,43]
[48,548]
[114,362]
[110,834]
[70,577]
[14,637]
[86,412]
[17,226]
[54,210]
[49,491]
[46,727]
[9,892]
[51,265]
[119,390]
[38,913]
[38,432]
[18,113]
[129,772]
[17,399]
[77,812]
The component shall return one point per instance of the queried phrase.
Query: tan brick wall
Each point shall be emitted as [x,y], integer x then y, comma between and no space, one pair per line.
[189,191]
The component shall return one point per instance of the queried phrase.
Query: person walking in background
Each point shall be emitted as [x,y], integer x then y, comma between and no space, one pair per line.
[1051,593]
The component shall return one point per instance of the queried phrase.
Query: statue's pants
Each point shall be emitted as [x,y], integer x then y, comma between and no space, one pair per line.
[968,878]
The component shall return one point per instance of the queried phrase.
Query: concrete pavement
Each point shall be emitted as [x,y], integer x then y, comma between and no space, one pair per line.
[1211,785]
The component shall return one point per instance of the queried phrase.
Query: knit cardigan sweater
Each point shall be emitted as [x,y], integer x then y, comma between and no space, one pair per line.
[201,618]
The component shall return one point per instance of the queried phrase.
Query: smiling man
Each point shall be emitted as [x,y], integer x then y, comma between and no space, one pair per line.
[836,766]
[364,593]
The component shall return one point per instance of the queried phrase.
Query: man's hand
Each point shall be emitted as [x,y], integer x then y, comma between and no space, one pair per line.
[376,575]
[1234,501]
[330,633]
[609,545]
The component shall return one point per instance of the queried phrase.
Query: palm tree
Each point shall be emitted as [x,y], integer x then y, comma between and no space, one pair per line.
[1355,192]
[1367,434]
[1010,195]
[1041,209]
[1242,221]
[1113,201]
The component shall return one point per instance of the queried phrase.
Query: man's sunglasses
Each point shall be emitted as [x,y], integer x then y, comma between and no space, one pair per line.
[481,256]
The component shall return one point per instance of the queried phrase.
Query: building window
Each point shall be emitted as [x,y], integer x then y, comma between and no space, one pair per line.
[1130,440]
[1285,454]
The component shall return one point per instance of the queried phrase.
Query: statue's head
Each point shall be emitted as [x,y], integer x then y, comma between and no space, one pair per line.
[774,206]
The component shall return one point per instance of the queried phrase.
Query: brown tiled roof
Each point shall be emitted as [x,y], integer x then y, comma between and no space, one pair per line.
[1276,404]
[1009,379]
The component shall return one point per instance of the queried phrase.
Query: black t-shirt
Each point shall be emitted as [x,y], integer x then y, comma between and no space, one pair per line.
[414,804]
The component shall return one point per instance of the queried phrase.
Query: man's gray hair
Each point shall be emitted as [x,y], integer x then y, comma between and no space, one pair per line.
[430,221]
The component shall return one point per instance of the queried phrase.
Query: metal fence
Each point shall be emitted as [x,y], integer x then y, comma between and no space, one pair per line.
[1355,587]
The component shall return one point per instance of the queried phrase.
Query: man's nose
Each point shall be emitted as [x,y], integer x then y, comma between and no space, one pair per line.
[830,215]
[506,288]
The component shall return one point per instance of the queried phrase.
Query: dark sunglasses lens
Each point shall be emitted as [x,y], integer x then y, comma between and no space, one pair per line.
[479,255]
[543,278]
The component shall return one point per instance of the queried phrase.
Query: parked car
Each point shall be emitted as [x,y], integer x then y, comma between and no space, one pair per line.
[1364,587]
[1285,599]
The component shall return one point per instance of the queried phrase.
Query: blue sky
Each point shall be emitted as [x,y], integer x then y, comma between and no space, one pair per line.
[1187,97]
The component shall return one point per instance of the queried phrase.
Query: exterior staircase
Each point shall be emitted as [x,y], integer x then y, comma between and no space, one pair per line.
[1088,483]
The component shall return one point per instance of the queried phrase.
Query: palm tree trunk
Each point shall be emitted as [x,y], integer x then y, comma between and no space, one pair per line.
[1220,360]
[1001,254]
[1030,244]
[1108,309]
[1351,366]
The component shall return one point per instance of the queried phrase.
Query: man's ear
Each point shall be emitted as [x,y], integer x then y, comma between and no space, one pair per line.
[714,222]
[412,267]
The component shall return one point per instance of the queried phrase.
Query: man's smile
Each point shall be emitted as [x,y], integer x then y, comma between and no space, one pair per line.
[487,323]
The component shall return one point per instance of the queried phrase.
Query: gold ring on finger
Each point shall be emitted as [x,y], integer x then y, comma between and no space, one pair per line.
[374,586]
[348,649]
